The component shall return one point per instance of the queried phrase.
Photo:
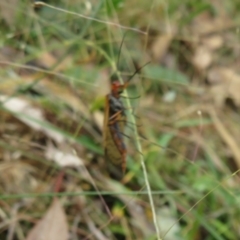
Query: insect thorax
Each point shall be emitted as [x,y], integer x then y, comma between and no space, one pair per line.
[115,105]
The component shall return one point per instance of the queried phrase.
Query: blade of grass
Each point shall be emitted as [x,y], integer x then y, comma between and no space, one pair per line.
[83,193]
[139,149]
[90,18]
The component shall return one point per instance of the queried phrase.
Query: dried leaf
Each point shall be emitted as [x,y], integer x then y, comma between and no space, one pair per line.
[228,85]
[213,42]
[62,158]
[202,57]
[52,226]
[31,116]
[160,46]
[201,24]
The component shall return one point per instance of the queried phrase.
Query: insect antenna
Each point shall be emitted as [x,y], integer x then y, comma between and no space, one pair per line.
[115,74]
[136,71]
[120,49]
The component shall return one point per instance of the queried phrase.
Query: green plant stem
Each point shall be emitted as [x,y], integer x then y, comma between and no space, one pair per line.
[139,148]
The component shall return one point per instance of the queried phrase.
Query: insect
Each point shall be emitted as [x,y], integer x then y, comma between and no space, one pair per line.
[114,123]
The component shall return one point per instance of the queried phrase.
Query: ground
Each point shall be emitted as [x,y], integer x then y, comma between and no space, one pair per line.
[181,129]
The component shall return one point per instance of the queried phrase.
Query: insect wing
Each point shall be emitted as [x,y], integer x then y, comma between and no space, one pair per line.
[114,148]
[117,134]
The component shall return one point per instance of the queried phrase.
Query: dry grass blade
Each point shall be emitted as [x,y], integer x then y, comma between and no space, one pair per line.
[226,136]
[90,18]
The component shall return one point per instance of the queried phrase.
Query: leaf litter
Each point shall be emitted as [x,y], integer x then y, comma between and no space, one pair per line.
[52,226]
[174,93]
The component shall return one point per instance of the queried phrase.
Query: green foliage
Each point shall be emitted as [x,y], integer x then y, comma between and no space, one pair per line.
[114,5]
[158,73]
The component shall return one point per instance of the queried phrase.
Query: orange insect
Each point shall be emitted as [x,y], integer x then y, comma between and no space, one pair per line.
[114,123]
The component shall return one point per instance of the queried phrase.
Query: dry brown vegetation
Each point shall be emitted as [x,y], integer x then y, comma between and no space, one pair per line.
[56,64]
